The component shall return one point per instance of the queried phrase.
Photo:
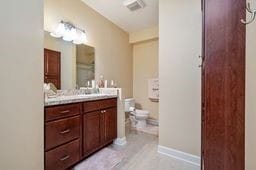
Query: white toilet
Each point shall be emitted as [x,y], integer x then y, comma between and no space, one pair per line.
[138,117]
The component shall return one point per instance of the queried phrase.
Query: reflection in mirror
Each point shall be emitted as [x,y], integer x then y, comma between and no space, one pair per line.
[77,62]
[84,65]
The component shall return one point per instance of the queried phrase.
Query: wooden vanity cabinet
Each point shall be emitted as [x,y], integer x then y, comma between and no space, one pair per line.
[99,124]
[74,131]
[62,136]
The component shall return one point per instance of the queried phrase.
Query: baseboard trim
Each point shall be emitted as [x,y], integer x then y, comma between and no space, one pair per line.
[176,154]
[154,122]
[120,141]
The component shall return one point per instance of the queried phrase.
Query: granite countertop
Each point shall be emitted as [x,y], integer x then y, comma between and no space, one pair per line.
[76,99]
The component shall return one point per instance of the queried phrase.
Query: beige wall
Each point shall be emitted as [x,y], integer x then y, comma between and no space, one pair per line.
[21,72]
[144,35]
[68,58]
[113,53]
[190,138]
[250,138]
[180,85]
[145,66]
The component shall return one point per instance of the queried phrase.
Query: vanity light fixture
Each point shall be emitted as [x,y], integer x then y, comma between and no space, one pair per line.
[69,32]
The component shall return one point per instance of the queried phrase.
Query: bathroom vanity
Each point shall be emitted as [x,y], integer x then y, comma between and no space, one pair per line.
[77,128]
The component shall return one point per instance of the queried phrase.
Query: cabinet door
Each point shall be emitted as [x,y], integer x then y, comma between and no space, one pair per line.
[223,125]
[52,62]
[52,68]
[91,132]
[110,124]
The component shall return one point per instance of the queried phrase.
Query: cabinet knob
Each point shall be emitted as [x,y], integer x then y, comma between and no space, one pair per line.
[103,111]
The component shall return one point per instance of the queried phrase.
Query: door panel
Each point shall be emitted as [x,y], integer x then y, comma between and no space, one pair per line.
[52,71]
[91,131]
[52,59]
[223,100]
[110,124]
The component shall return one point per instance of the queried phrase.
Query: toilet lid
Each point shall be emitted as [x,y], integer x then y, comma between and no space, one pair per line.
[141,112]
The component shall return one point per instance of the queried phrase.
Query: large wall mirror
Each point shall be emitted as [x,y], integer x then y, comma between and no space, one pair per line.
[77,62]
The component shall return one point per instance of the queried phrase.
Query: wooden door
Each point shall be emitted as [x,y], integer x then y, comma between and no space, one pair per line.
[52,68]
[223,100]
[110,124]
[91,131]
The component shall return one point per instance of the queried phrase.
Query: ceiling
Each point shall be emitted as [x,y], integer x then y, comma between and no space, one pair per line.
[115,11]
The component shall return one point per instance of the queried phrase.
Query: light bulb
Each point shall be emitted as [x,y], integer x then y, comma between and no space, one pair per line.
[74,33]
[55,35]
[59,31]
[77,39]
[67,35]
[61,28]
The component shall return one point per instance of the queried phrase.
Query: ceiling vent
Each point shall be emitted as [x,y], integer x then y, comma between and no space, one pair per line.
[133,5]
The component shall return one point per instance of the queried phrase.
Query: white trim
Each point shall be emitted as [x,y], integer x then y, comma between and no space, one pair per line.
[186,157]
[120,141]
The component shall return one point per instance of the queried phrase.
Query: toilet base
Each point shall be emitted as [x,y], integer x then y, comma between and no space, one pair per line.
[141,123]
[135,123]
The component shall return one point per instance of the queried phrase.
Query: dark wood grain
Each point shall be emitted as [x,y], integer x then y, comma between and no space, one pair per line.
[108,103]
[99,127]
[223,100]
[91,106]
[63,157]
[110,124]
[62,111]
[91,131]
[61,131]
[77,131]
[99,104]
[52,67]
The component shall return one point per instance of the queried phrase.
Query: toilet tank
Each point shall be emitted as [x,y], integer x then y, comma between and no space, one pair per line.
[128,103]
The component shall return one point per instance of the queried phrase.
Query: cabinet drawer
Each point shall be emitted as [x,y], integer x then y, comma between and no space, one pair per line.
[62,157]
[108,103]
[61,131]
[91,106]
[97,105]
[57,112]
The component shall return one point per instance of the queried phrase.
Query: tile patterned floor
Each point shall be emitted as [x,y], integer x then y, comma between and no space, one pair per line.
[141,154]
[149,129]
